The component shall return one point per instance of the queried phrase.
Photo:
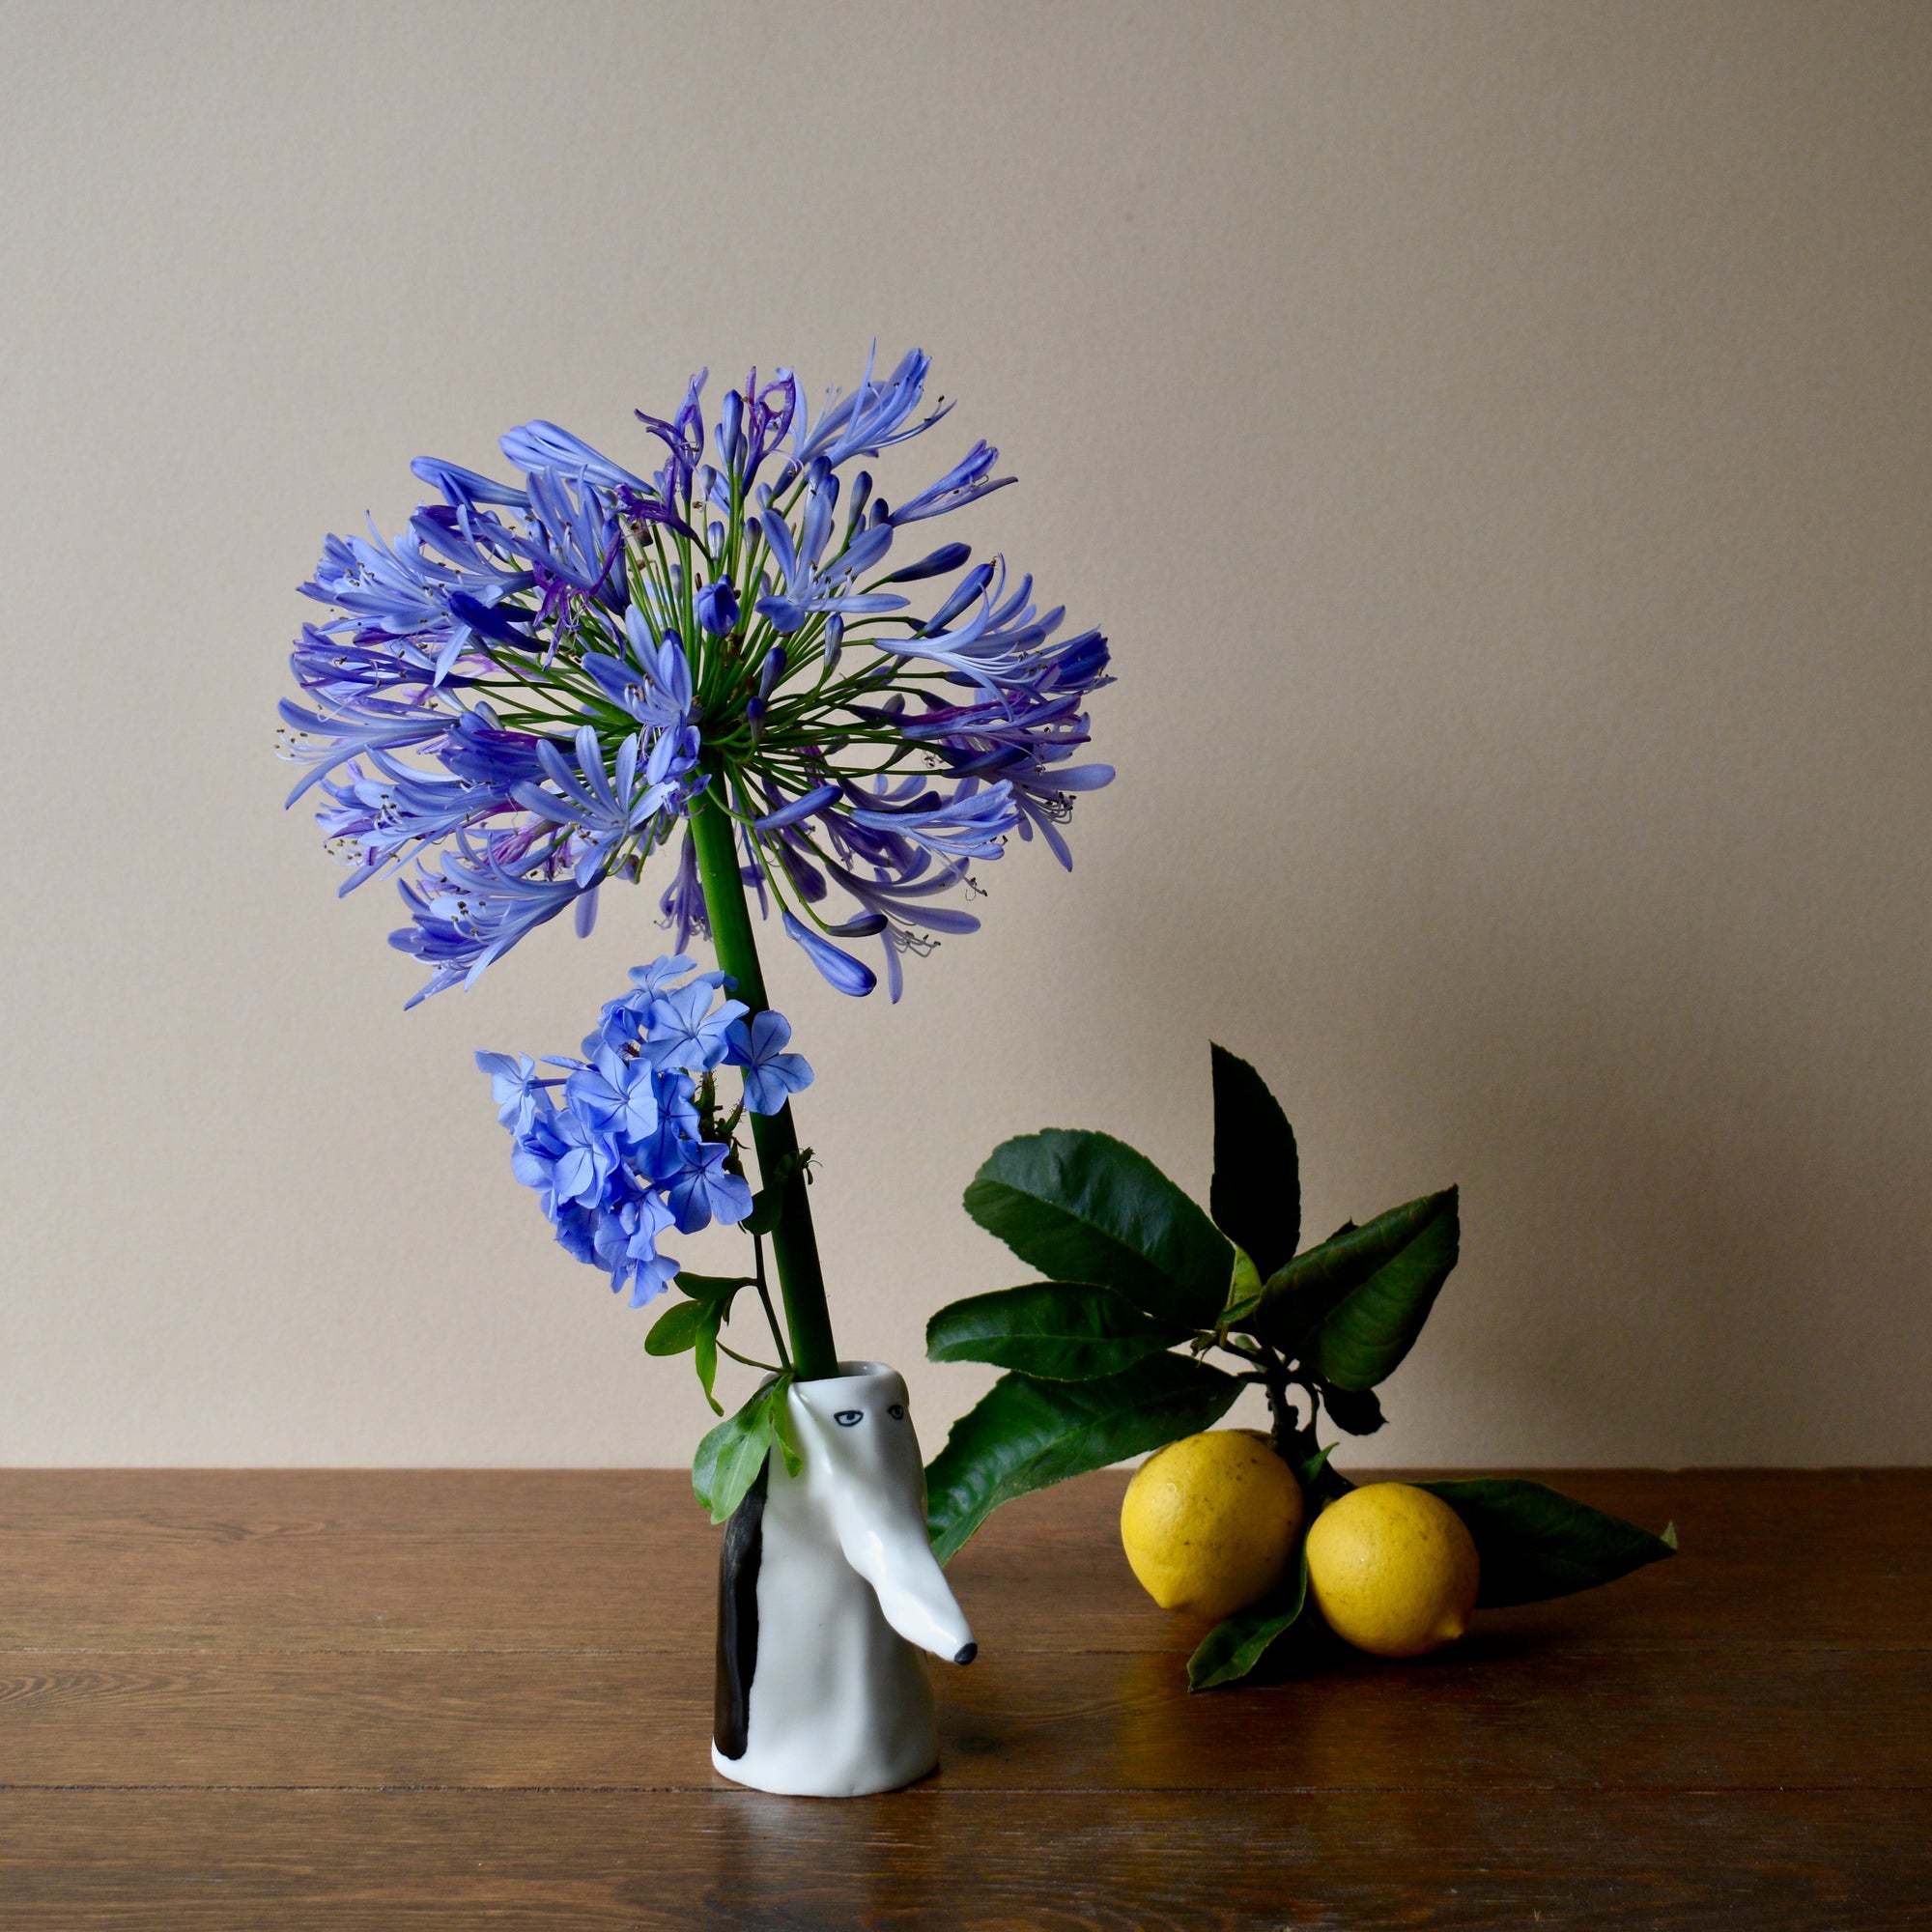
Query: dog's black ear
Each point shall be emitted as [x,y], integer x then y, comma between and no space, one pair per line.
[738,1563]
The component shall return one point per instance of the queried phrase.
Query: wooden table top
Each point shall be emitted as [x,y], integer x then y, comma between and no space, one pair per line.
[461,1699]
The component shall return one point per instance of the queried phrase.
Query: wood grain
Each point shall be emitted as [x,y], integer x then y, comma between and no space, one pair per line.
[367,1698]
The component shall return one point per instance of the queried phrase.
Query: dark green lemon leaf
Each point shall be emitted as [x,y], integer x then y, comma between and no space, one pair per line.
[1086,1207]
[1354,1410]
[1052,1330]
[1364,1336]
[1027,1434]
[1237,1643]
[1256,1199]
[1535,1542]
[1297,1297]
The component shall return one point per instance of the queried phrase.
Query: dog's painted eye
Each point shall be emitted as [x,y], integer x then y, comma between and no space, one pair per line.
[847,1418]
[897,1411]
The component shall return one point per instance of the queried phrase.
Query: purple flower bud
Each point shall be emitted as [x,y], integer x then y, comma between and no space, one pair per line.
[718,606]
[862,491]
[730,418]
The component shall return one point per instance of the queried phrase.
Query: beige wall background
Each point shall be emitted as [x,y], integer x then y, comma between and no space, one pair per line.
[1495,439]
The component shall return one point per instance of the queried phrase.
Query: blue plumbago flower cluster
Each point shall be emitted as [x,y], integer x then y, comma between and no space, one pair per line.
[525,693]
[639,1144]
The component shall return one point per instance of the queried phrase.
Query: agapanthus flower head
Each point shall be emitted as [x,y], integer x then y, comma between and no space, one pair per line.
[637,1143]
[530,690]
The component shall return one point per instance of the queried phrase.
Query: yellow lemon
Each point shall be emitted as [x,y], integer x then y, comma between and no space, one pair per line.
[1210,1522]
[1393,1570]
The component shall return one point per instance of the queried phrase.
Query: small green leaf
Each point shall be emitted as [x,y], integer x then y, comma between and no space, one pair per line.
[712,1287]
[1320,1480]
[676,1329]
[706,1358]
[1244,1293]
[764,1215]
[1054,1331]
[1354,1410]
[694,1325]
[1536,1544]
[779,1398]
[728,1459]
[1026,1435]
[1256,1198]
[1379,1284]
[1237,1643]
[1086,1207]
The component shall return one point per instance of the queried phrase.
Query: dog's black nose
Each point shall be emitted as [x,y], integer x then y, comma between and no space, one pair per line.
[967,1654]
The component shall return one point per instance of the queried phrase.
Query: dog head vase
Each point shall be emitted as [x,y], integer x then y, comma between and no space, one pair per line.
[826,1589]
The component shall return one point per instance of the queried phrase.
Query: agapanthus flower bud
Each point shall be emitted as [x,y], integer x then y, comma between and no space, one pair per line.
[730,420]
[718,606]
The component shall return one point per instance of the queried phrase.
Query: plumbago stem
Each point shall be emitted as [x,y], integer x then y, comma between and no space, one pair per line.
[794,1245]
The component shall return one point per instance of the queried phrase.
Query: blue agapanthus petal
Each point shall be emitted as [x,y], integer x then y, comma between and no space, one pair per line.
[461,486]
[935,564]
[541,445]
[839,969]
[813,801]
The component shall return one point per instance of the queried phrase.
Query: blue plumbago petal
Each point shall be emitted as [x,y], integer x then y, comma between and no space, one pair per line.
[839,969]
[813,801]
[935,564]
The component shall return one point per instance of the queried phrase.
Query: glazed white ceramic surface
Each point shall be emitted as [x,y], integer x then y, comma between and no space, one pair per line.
[847,1586]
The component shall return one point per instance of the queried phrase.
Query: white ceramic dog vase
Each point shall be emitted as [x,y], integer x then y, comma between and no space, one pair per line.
[826,1585]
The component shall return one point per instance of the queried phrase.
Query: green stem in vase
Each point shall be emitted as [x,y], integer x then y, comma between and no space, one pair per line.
[794,1245]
